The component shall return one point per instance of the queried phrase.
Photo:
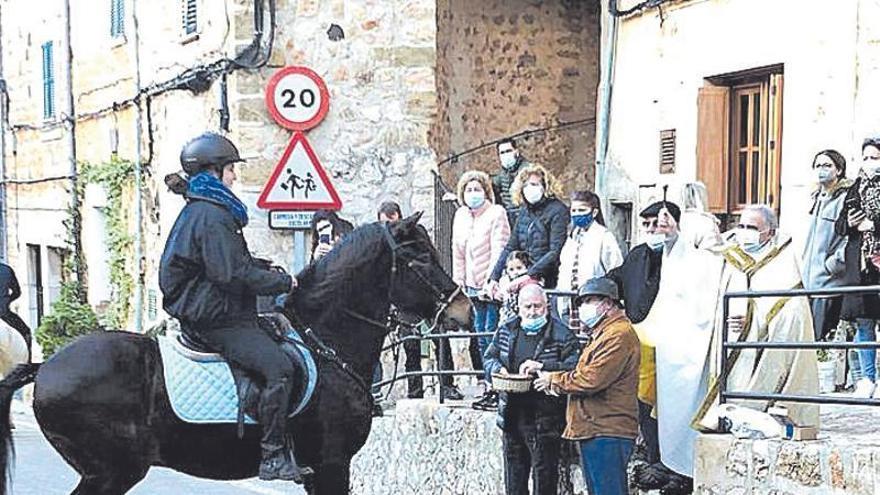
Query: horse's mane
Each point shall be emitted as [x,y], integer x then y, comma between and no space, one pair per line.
[332,279]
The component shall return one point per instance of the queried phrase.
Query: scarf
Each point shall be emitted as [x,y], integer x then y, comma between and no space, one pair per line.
[206,186]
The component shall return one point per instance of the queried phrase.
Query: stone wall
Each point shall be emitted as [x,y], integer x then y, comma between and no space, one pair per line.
[506,66]
[424,448]
[382,100]
[843,460]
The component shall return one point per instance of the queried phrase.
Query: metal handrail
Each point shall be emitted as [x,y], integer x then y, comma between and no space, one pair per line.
[441,352]
[724,394]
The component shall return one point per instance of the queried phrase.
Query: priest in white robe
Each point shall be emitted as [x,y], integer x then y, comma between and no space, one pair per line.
[679,325]
[762,260]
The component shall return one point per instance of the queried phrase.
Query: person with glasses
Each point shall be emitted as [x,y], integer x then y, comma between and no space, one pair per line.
[761,259]
[859,221]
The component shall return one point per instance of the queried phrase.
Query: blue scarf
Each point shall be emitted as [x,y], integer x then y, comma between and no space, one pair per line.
[206,186]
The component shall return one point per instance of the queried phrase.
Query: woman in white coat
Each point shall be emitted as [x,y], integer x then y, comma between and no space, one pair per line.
[590,251]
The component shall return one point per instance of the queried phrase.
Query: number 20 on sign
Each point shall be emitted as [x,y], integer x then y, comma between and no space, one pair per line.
[297,98]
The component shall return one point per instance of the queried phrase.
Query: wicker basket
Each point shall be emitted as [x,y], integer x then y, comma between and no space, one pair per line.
[512,383]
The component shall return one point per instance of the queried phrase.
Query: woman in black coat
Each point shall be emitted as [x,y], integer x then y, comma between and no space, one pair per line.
[862,309]
[541,227]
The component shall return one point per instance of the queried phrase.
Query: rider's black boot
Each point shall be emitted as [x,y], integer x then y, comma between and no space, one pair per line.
[278,462]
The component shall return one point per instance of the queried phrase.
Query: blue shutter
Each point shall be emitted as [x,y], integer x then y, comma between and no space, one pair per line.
[48,81]
[117,18]
[190,21]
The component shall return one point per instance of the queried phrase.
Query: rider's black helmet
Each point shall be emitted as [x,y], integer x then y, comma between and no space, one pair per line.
[209,149]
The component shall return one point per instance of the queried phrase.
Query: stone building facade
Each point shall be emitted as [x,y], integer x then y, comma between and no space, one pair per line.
[407,88]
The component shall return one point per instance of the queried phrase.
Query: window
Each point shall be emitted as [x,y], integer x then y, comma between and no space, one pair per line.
[48,81]
[117,18]
[739,139]
[190,21]
[667,151]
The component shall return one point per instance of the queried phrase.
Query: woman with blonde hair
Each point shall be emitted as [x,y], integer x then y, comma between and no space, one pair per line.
[541,226]
[479,233]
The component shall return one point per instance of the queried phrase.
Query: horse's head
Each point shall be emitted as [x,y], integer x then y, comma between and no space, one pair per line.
[418,282]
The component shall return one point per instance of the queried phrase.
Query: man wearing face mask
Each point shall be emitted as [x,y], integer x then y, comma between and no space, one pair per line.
[589,251]
[602,410]
[512,162]
[823,263]
[763,260]
[667,287]
[531,422]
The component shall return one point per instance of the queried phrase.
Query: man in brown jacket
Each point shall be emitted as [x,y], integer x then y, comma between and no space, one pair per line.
[602,410]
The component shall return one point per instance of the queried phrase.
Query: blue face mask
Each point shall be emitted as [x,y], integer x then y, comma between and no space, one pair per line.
[533,325]
[582,220]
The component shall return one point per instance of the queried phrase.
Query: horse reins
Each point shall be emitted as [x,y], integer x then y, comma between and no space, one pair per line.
[330,354]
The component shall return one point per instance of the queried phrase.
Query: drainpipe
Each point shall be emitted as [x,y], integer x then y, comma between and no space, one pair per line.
[71,139]
[604,114]
[138,183]
[4,241]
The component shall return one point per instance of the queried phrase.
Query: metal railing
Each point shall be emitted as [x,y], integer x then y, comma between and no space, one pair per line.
[552,294]
[726,346]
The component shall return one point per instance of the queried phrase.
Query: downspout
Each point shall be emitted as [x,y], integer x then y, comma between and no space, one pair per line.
[4,232]
[604,114]
[138,183]
[78,268]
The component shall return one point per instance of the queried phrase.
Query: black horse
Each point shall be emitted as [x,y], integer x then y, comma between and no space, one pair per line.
[101,400]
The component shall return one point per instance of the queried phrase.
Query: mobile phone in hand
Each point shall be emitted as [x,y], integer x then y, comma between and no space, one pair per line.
[324,239]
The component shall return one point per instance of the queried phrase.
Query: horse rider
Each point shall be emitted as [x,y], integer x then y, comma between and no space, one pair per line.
[210,281]
[10,291]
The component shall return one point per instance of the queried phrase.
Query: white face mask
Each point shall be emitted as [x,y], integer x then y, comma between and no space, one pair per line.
[748,239]
[655,241]
[589,314]
[508,160]
[871,167]
[533,193]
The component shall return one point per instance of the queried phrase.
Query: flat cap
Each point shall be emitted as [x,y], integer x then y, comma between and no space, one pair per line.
[653,210]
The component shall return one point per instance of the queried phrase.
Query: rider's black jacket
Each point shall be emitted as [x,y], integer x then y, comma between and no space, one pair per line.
[207,272]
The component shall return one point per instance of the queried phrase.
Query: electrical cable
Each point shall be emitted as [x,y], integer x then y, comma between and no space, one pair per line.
[529,132]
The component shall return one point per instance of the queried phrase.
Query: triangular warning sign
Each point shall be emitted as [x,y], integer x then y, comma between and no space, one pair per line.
[299,182]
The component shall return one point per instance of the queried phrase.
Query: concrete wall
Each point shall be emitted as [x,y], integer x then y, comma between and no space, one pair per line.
[513,65]
[660,63]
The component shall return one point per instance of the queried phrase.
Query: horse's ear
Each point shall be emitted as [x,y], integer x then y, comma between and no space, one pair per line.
[407,226]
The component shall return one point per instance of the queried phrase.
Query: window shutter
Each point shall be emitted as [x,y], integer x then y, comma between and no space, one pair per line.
[48,81]
[667,151]
[190,22]
[713,104]
[117,18]
[774,140]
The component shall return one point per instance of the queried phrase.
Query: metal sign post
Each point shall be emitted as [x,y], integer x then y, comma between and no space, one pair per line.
[298,222]
[298,99]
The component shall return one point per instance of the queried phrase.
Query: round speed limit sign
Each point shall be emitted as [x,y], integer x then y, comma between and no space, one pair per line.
[297,98]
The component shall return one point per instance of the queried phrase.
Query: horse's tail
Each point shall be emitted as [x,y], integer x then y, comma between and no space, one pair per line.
[17,378]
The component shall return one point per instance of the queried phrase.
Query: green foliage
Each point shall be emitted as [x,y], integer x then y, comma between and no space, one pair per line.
[70,317]
[114,176]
